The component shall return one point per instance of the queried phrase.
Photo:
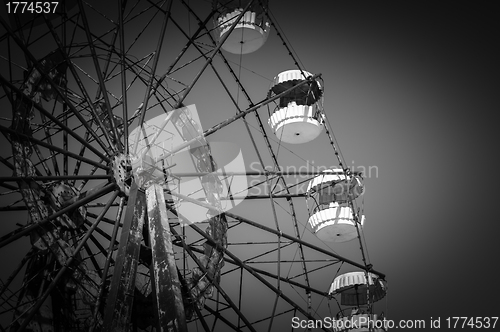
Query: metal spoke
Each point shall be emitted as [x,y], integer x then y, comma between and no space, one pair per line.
[52,147]
[61,272]
[56,121]
[14,235]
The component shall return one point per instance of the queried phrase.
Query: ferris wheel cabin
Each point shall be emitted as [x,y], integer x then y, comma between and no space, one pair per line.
[297,119]
[358,293]
[251,31]
[332,218]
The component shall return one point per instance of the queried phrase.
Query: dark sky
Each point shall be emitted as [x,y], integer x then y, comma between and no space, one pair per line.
[410,88]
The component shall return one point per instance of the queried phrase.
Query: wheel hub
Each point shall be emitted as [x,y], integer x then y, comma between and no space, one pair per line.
[121,168]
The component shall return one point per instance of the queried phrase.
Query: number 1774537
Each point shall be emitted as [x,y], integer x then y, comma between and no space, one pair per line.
[33,7]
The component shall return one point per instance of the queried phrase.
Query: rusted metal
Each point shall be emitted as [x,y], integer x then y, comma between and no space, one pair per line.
[167,295]
[58,203]
[121,295]
[85,291]
[84,141]
[198,283]
[210,281]
[31,227]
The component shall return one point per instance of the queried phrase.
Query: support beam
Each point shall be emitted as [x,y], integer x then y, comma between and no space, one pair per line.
[121,295]
[167,295]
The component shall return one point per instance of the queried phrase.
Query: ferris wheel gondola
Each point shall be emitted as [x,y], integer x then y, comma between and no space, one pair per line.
[252,26]
[331,216]
[297,119]
[359,290]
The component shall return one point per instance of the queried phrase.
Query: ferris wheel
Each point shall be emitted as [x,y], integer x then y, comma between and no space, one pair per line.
[151,177]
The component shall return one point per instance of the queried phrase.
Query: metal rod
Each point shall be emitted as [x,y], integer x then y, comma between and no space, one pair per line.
[209,60]
[11,277]
[234,118]
[223,319]
[278,268]
[42,160]
[91,256]
[99,76]
[8,186]
[311,246]
[255,107]
[167,294]
[202,319]
[49,140]
[120,297]
[52,147]
[291,261]
[210,279]
[18,233]
[270,230]
[109,257]
[54,178]
[65,107]
[190,41]
[98,244]
[185,48]
[80,83]
[251,271]
[123,74]
[279,314]
[153,71]
[158,133]
[63,270]
[51,82]
[6,163]
[287,280]
[253,173]
[55,120]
